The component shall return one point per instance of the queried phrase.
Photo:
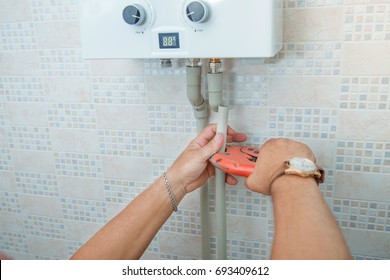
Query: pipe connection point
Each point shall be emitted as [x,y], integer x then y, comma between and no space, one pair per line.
[166,62]
[193,62]
[215,65]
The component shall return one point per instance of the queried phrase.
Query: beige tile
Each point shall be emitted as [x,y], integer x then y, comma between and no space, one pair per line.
[81,188]
[117,67]
[126,117]
[248,119]
[58,34]
[7,182]
[247,228]
[34,114]
[308,91]
[180,244]
[368,243]
[23,63]
[364,125]
[166,90]
[53,248]
[74,140]
[67,89]
[33,161]
[127,168]
[313,24]
[40,205]
[15,10]
[169,145]
[372,58]
[362,186]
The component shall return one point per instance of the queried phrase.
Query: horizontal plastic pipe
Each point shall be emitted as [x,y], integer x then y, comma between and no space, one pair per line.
[223,114]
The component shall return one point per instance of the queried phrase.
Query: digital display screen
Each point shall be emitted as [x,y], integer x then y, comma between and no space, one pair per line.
[169,40]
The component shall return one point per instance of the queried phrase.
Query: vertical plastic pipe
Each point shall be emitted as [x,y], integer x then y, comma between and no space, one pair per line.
[223,113]
[200,112]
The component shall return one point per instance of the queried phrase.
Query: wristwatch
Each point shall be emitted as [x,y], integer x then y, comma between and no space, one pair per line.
[305,168]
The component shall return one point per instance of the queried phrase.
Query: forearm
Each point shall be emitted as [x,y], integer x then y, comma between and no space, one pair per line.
[128,234]
[304,226]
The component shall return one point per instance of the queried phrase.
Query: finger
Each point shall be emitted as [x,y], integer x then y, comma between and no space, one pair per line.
[231,180]
[238,137]
[211,147]
[205,136]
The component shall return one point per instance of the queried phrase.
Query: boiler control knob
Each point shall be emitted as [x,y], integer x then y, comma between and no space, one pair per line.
[134,14]
[197,11]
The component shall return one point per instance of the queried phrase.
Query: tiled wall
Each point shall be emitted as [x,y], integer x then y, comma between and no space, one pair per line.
[80,139]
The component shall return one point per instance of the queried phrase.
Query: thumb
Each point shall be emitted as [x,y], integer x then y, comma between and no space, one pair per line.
[212,147]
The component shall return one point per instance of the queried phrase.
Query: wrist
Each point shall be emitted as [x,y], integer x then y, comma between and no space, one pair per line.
[177,187]
[293,185]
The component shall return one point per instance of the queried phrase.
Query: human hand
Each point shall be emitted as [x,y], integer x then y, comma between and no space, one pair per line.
[192,168]
[270,162]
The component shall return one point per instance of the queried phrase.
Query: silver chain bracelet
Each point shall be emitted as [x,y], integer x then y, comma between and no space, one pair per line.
[170,193]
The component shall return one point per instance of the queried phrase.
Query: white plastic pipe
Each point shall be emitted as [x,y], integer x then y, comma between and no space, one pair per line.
[200,112]
[220,209]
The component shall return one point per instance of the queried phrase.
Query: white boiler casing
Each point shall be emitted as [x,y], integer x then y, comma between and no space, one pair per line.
[181,28]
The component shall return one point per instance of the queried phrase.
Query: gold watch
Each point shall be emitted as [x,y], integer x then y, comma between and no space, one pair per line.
[304,167]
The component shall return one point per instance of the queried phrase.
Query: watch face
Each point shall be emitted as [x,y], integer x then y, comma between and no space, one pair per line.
[303,164]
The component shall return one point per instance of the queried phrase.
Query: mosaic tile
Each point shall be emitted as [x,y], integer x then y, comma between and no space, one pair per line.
[29,138]
[371,93]
[367,22]
[247,90]
[363,156]
[307,59]
[160,165]
[364,215]
[17,36]
[44,227]
[9,202]
[242,202]
[122,191]
[73,246]
[119,90]
[311,3]
[84,210]
[63,62]
[13,242]
[183,221]
[72,116]
[37,184]
[124,143]
[171,118]
[21,89]
[53,10]
[246,250]
[300,123]
[5,159]
[79,165]
[153,246]
[152,67]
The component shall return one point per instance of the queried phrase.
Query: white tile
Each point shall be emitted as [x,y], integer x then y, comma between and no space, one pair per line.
[118,167]
[74,140]
[364,125]
[312,24]
[33,161]
[363,186]
[60,34]
[371,58]
[26,114]
[310,91]
[125,117]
